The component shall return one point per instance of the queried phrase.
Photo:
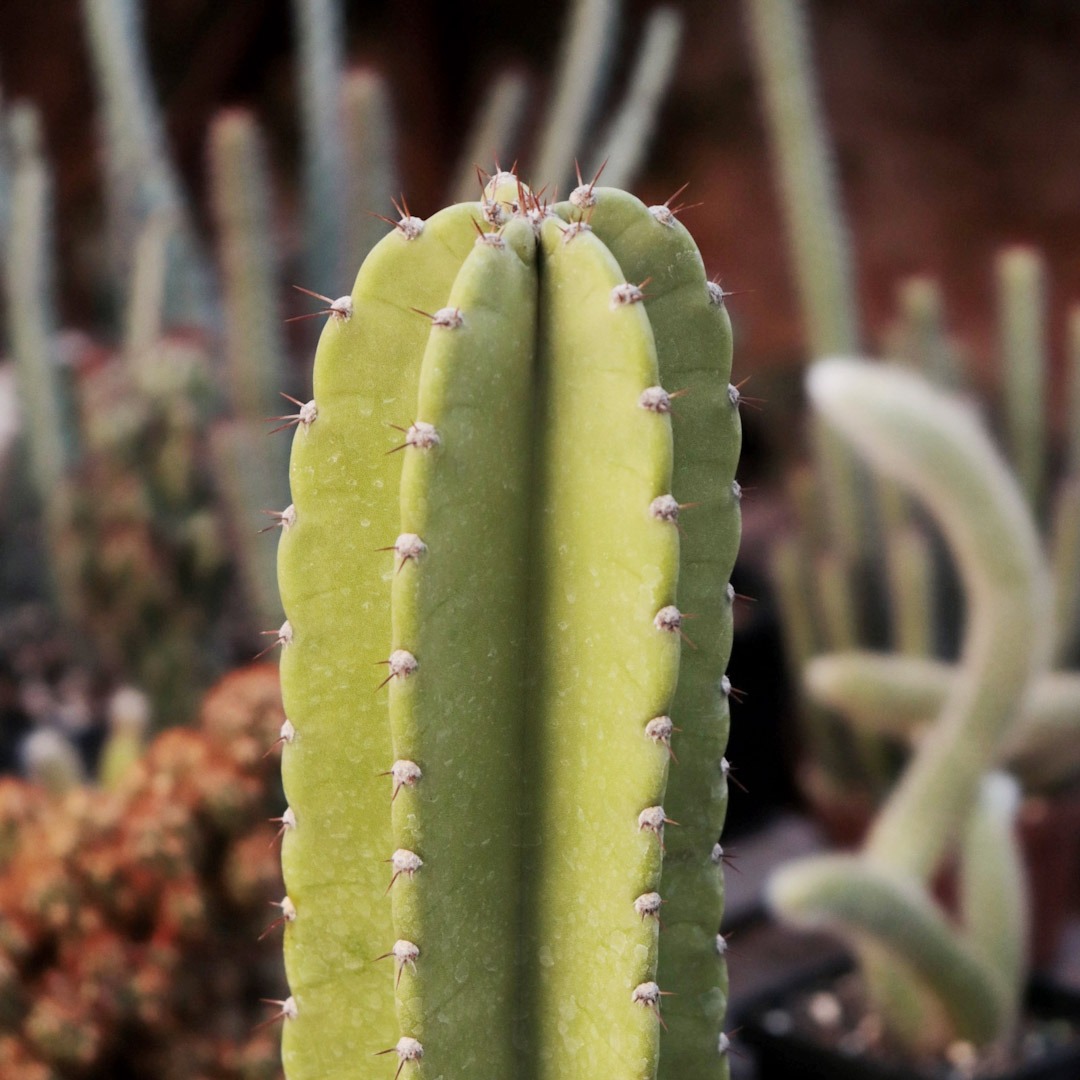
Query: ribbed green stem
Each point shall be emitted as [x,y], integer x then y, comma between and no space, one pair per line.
[533,655]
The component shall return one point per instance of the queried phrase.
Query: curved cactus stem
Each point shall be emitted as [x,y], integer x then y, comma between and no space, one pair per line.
[605,569]
[342,476]
[693,343]
[1065,561]
[899,695]
[937,447]
[859,898]
[459,608]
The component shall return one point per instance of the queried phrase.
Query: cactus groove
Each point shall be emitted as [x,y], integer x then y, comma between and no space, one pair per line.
[500,860]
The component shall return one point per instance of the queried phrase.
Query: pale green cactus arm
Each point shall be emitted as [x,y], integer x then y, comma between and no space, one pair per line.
[320,31]
[625,141]
[936,447]
[899,696]
[858,897]
[587,49]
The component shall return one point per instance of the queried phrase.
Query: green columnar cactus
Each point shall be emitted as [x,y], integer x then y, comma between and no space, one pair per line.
[497,822]
[930,982]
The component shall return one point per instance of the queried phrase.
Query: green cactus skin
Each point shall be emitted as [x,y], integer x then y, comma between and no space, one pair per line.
[693,343]
[936,447]
[337,595]
[533,634]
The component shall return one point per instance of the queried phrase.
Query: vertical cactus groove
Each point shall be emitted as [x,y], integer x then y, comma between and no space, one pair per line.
[501,822]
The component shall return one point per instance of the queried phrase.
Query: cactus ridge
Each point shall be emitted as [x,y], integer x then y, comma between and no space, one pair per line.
[477,884]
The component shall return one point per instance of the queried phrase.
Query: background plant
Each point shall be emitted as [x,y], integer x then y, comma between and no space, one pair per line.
[147,459]
[931,982]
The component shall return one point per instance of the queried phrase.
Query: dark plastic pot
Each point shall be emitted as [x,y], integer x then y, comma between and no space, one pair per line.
[795,1056]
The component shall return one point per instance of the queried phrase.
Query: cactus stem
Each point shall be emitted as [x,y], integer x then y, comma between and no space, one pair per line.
[287,821]
[283,519]
[404,953]
[648,995]
[287,1010]
[282,636]
[628,293]
[405,773]
[288,914]
[407,1049]
[403,862]
[304,416]
[341,308]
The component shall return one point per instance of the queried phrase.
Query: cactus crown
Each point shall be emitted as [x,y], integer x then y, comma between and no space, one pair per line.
[486,502]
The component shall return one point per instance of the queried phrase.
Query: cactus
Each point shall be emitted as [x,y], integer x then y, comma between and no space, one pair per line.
[932,982]
[497,820]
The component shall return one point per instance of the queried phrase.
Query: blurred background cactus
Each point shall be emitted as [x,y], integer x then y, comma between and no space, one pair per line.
[147,467]
[863,568]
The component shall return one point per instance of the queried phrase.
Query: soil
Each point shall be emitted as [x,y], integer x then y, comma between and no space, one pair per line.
[833,1015]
